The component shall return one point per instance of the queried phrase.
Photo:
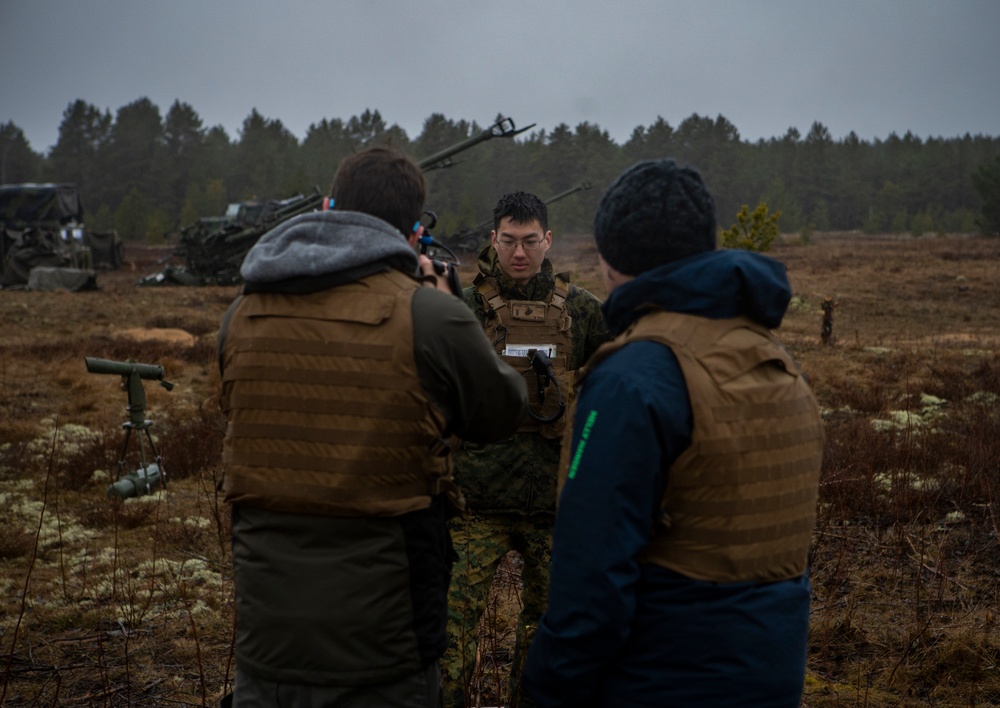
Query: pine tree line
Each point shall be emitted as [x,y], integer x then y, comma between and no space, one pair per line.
[148,175]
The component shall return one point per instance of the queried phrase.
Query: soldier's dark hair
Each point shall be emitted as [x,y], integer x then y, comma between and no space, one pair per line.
[521,207]
[381,181]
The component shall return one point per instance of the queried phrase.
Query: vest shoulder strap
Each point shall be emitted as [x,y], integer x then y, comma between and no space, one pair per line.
[489,292]
[561,291]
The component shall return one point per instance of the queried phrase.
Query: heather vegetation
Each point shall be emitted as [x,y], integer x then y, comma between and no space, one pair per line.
[147,174]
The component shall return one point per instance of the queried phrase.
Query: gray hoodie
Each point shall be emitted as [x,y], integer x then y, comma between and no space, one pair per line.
[325,243]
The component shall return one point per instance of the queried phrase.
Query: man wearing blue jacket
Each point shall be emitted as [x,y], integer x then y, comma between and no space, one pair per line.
[688,489]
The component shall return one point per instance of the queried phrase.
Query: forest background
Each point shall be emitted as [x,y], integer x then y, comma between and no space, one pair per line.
[148,175]
[130,603]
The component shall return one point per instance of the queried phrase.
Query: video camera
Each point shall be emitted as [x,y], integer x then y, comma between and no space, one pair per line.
[142,480]
[446,268]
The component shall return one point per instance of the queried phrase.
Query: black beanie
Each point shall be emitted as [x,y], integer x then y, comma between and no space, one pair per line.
[653,213]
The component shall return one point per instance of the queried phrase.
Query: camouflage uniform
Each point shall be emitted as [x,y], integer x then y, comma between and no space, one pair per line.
[510,490]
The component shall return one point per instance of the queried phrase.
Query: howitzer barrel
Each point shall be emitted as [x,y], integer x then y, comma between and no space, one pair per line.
[503,128]
[572,190]
[124,368]
[488,223]
[469,239]
[216,257]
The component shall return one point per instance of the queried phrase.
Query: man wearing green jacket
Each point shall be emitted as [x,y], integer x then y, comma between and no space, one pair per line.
[344,380]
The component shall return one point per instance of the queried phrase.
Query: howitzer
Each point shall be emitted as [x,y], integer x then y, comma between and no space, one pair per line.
[470,240]
[148,475]
[41,226]
[445,265]
[214,257]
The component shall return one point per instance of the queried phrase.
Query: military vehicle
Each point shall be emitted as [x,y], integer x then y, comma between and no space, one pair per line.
[215,257]
[473,239]
[42,229]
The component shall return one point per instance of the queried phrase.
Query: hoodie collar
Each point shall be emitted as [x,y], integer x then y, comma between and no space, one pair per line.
[719,284]
[325,243]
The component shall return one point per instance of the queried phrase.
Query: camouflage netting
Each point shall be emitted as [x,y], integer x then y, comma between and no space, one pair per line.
[23,204]
[41,227]
[25,249]
[72,279]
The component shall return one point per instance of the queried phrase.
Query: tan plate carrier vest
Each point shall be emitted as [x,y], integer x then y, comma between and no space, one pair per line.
[740,502]
[526,322]
[326,412]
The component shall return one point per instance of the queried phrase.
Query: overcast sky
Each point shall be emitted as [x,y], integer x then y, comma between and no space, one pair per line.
[872,66]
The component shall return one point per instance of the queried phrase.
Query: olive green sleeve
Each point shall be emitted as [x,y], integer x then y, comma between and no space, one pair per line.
[483,398]
[589,328]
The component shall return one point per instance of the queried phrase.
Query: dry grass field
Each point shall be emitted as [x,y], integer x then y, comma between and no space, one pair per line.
[105,602]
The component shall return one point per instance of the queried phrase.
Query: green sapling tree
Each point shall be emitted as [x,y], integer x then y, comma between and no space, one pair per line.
[754,231]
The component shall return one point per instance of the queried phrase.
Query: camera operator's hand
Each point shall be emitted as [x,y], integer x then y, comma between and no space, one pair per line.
[440,275]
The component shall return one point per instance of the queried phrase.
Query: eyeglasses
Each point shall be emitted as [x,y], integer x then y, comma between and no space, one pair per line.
[528,244]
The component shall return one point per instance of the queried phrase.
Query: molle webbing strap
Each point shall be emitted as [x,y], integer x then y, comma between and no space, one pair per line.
[318,377]
[350,471]
[493,301]
[560,291]
[740,502]
[733,413]
[762,443]
[783,498]
[360,409]
[523,324]
[325,406]
[368,438]
[527,322]
[378,352]
[492,306]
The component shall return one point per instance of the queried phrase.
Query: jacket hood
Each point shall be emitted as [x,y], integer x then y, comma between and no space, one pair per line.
[718,285]
[537,288]
[325,243]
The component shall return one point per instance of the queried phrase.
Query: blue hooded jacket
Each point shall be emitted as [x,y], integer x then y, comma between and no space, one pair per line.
[622,633]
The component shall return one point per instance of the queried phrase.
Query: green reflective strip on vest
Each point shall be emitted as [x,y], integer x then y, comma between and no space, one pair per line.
[584,436]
